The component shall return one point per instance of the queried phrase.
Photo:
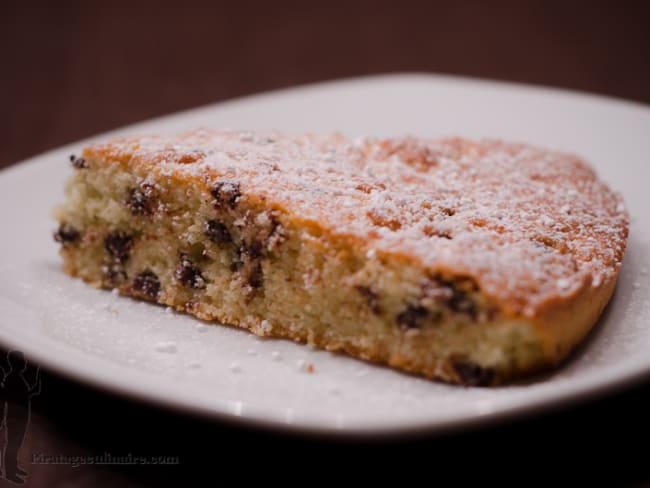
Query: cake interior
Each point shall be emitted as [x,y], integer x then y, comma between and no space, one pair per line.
[222,253]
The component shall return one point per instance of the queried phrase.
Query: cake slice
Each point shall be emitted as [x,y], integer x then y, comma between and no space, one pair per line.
[470,263]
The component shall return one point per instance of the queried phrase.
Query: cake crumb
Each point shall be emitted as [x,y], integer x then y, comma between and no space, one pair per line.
[265,326]
[305,366]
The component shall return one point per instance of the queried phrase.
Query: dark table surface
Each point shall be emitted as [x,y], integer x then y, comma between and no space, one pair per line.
[81,68]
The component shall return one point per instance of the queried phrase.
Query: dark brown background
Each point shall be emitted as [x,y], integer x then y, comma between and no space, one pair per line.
[81,68]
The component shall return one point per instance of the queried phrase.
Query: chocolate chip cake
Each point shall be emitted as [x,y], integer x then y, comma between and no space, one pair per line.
[467,262]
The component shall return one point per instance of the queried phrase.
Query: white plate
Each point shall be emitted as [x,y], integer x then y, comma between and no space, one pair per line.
[115,343]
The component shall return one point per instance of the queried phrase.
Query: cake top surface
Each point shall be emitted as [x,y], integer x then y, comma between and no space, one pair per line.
[530,225]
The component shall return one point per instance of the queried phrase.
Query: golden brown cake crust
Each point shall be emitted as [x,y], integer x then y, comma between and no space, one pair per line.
[533,227]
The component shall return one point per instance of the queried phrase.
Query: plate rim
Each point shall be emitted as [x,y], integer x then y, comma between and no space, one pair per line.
[582,393]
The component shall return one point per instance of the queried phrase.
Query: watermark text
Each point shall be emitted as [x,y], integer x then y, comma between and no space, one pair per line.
[106,458]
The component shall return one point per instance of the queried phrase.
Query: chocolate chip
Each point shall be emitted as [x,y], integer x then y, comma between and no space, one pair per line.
[252,250]
[461,303]
[147,285]
[188,274]
[217,232]
[274,222]
[256,276]
[252,278]
[412,317]
[471,374]
[442,292]
[226,193]
[118,244]
[66,233]
[78,163]
[250,266]
[371,298]
[140,200]
[272,235]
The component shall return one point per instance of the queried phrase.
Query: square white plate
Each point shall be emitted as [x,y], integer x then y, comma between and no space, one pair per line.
[146,352]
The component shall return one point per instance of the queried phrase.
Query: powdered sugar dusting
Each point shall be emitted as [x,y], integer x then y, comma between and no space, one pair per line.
[526,223]
[166,346]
